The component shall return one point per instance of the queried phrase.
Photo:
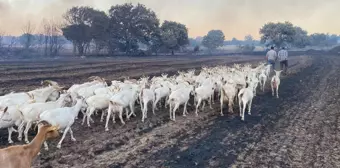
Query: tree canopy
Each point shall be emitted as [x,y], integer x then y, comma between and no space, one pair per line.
[174,35]
[213,39]
[278,34]
[131,25]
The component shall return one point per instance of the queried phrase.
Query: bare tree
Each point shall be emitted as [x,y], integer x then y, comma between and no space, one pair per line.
[2,34]
[12,43]
[53,41]
[27,37]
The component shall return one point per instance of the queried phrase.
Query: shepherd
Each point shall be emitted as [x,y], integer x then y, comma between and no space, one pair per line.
[271,57]
[283,58]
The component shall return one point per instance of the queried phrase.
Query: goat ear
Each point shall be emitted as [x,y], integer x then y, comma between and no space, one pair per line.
[53,128]
[5,110]
[43,122]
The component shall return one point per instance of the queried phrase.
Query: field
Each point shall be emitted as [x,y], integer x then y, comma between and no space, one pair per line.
[300,129]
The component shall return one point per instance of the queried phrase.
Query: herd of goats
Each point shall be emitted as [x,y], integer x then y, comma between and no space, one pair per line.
[59,108]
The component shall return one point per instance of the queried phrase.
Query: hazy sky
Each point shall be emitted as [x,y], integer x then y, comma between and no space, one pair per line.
[235,18]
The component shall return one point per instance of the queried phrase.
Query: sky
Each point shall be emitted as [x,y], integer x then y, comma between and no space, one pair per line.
[236,18]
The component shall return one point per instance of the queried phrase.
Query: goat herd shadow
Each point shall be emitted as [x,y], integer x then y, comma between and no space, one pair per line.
[266,110]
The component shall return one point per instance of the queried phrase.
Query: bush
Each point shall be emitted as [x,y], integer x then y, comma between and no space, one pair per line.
[247,48]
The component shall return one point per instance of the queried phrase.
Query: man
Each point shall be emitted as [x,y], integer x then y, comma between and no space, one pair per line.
[271,57]
[283,58]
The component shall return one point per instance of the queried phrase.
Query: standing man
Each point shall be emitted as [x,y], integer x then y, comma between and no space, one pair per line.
[271,57]
[283,58]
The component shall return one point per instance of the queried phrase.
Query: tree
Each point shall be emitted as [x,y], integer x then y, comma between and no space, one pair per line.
[131,25]
[234,41]
[174,35]
[27,37]
[2,34]
[249,39]
[53,40]
[78,27]
[318,39]
[301,39]
[278,34]
[213,39]
[99,23]
[156,42]
[80,35]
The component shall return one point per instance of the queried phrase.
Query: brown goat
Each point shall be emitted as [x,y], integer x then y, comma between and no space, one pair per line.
[21,156]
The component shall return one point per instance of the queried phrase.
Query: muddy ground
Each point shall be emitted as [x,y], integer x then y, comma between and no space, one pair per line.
[300,129]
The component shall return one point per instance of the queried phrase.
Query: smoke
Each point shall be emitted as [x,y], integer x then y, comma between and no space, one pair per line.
[235,18]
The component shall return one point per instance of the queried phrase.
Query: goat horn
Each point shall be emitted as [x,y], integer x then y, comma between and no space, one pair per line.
[58,88]
[30,95]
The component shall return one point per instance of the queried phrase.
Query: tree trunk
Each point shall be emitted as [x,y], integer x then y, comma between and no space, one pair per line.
[172,52]
[80,49]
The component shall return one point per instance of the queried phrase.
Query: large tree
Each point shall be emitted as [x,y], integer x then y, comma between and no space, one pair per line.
[278,34]
[99,23]
[84,24]
[301,39]
[174,35]
[131,25]
[213,39]
[80,35]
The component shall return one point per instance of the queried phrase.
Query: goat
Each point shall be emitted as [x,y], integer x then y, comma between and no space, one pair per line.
[204,92]
[30,112]
[96,102]
[147,95]
[263,79]
[23,155]
[177,98]
[160,93]
[121,100]
[63,117]
[245,97]
[275,83]
[228,93]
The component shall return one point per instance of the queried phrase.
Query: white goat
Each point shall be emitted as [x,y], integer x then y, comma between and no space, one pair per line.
[7,121]
[64,118]
[162,92]
[245,97]
[31,112]
[96,102]
[146,95]
[204,92]
[177,98]
[228,93]
[121,100]
[263,79]
[275,83]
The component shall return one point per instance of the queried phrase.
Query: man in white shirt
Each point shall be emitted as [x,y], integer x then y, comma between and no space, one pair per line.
[271,57]
[283,58]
